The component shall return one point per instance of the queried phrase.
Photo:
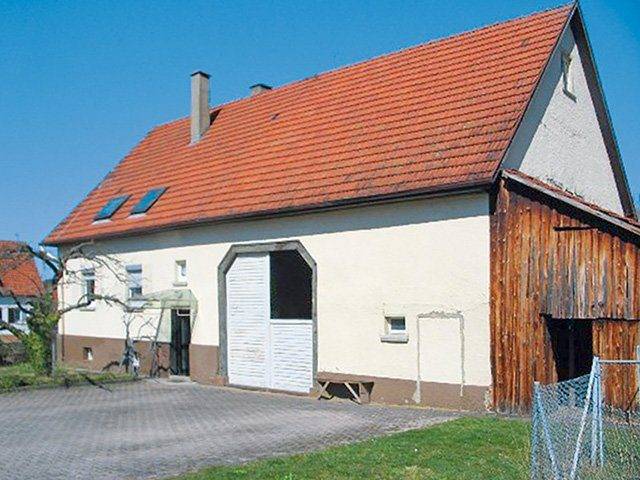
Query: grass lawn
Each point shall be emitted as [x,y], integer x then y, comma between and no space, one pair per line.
[467,448]
[22,375]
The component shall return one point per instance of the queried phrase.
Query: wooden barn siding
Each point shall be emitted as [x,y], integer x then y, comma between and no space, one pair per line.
[536,270]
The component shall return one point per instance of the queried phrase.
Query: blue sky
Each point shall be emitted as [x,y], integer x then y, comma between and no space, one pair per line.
[82,82]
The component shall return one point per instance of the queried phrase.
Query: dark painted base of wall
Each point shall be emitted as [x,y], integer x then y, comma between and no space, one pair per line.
[107,353]
[203,367]
[397,391]
[203,364]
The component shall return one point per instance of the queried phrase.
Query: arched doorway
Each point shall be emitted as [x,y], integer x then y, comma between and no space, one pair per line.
[267,298]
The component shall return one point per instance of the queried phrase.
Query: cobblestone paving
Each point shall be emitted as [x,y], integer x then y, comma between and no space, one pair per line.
[154,429]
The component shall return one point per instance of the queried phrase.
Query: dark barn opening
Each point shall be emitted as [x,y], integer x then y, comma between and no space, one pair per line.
[572,344]
[291,286]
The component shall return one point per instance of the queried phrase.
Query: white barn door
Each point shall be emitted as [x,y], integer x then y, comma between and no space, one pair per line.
[262,351]
[248,320]
[291,354]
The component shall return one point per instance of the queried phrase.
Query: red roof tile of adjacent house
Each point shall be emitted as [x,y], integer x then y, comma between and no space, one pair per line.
[434,117]
[18,272]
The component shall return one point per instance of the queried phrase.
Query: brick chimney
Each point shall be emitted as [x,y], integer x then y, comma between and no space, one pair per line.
[200,118]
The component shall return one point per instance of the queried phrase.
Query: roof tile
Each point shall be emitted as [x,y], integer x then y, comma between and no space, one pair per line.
[434,116]
[18,272]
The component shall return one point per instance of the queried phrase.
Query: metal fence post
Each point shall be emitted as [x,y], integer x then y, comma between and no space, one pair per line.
[594,419]
[600,408]
[583,420]
[534,437]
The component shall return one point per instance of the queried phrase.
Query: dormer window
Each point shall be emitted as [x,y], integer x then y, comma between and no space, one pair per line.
[111,207]
[567,75]
[147,201]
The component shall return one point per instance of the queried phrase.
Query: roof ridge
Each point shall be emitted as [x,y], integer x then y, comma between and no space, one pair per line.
[376,57]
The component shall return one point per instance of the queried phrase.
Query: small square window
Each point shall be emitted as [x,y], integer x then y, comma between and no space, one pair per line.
[395,330]
[396,325]
[87,354]
[181,272]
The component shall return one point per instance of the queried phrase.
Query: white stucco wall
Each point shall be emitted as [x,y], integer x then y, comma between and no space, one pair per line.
[412,257]
[559,140]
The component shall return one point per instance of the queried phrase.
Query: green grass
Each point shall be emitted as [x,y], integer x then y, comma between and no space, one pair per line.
[22,375]
[467,448]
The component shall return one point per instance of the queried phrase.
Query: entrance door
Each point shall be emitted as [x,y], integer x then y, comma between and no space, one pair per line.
[572,344]
[180,339]
[269,325]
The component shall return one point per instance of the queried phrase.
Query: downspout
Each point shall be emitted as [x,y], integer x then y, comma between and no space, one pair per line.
[60,294]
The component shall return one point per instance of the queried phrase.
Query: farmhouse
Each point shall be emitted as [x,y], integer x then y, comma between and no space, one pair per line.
[448,223]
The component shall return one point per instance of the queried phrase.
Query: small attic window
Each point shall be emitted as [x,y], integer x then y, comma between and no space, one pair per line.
[111,207]
[148,200]
[567,75]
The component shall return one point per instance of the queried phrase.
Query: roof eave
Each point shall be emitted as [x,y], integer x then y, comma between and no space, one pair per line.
[599,214]
[482,184]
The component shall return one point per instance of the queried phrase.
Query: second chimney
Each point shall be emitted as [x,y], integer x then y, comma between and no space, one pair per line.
[259,88]
[200,118]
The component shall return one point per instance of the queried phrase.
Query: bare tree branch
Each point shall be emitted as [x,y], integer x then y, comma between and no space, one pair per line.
[86,300]
[42,311]
[18,303]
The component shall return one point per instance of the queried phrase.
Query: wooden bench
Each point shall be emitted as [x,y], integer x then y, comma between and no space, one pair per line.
[359,387]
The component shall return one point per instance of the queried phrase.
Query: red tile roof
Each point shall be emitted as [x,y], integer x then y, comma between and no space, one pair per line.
[18,272]
[433,117]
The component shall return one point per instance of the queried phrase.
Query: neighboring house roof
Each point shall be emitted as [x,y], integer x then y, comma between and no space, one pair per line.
[432,118]
[627,224]
[18,272]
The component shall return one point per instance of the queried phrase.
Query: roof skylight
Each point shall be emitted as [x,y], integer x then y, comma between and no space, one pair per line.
[111,207]
[148,200]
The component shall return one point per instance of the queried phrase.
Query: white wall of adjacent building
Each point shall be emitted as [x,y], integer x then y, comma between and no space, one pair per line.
[409,258]
[560,141]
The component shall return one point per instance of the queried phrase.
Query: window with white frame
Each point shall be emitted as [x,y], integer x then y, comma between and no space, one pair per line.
[181,272]
[567,74]
[395,330]
[396,326]
[13,315]
[134,281]
[89,284]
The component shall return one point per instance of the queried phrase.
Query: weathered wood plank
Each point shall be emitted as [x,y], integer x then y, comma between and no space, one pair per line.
[578,271]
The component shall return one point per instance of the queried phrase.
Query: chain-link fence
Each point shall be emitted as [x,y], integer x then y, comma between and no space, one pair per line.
[588,427]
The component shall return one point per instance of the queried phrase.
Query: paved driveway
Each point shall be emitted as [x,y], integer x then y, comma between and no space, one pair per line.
[154,429]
